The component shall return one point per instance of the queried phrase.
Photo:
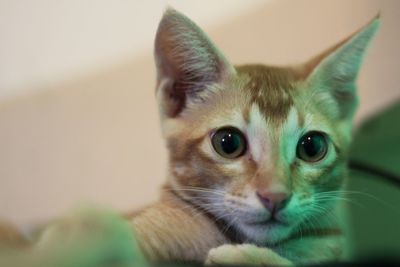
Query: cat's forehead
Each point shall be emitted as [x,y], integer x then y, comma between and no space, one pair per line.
[270,88]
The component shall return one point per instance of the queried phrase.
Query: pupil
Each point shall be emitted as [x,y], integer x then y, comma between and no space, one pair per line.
[230,143]
[313,145]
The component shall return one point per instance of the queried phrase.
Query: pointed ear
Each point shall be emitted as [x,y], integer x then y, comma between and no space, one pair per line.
[187,63]
[332,75]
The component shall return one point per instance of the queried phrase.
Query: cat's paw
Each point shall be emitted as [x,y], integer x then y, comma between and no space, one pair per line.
[245,254]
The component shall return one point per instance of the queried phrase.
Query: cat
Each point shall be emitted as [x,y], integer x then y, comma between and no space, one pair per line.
[257,160]
[257,154]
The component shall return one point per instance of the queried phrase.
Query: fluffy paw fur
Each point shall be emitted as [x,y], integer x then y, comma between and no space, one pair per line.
[245,254]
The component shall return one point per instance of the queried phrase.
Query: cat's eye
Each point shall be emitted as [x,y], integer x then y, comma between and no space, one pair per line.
[229,142]
[312,146]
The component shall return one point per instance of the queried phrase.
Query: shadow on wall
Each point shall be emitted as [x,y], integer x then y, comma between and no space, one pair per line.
[97,138]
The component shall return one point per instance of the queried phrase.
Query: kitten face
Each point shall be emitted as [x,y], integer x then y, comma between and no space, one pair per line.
[228,187]
[261,149]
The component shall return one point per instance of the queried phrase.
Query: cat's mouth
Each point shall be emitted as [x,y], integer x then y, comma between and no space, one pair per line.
[269,222]
[267,230]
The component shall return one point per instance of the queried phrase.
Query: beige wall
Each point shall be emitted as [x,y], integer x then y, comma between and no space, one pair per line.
[95,137]
[44,42]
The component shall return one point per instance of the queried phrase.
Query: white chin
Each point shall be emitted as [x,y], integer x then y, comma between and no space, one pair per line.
[266,233]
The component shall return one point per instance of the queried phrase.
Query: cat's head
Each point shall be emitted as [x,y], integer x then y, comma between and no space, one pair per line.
[261,148]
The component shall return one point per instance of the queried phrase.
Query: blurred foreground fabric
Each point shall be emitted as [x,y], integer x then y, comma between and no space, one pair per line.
[87,238]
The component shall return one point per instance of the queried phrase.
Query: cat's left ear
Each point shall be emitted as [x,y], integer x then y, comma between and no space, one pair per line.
[332,75]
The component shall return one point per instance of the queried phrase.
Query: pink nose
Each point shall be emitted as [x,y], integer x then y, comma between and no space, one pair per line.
[273,201]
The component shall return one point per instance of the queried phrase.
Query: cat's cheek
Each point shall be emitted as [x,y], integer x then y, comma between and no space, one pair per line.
[228,168]
[180,169]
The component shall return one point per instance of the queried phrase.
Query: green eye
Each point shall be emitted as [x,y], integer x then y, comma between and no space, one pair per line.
[229,142]
[312,147]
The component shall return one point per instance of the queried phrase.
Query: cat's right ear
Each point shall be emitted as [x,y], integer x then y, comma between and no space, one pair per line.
[332,75]
[187,63]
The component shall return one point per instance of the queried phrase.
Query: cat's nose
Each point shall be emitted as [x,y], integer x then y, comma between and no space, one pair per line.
[273,201]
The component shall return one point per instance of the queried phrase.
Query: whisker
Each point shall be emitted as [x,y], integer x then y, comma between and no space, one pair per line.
[346,200]
[352,192]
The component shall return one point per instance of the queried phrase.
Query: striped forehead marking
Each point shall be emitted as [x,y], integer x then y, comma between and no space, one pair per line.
[258,133]
[270,89]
